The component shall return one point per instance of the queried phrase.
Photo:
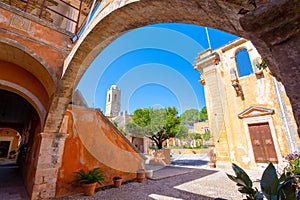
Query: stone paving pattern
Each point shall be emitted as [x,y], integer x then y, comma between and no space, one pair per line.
[194,181]
[11,186]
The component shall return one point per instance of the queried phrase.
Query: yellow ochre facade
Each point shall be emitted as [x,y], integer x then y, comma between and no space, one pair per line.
[250,117]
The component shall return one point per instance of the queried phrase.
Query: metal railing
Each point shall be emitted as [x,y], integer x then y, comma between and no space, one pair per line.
[40,8]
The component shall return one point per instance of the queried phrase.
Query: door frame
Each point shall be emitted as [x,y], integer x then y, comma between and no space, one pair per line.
[259,120]
[7,139]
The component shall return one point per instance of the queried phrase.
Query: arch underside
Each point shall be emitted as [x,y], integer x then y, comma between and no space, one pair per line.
[111,22]
[25,74]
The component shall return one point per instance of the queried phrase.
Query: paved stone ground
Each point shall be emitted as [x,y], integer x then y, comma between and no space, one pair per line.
[11,184]
[188,178]
[162,189]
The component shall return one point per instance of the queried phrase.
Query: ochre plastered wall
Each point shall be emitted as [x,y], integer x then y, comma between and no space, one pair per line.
[231,135]
[200,127]
[77,155]
[11,134]
[50,44]
[18,76]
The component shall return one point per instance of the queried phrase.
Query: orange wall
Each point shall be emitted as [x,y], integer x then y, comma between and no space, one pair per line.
[7,132]
[48,43]
[76,156]
[15,74]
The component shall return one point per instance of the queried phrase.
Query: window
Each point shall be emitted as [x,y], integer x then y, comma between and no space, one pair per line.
[109,98]
[243,63]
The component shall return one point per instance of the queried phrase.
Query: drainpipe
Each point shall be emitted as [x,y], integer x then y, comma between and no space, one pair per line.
[77,35]
[90,13]
[284,115]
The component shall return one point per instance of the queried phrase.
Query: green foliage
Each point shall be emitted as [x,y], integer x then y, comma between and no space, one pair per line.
[269,182]
[153,147]
[183,133]
[190,116]
[262,65]
[243,182]
[156,124]
[206,135]
[134,129]
[294,162]
[119,128]
[142,117]
[91,176]
[197,136]
[272,187]
[203,114]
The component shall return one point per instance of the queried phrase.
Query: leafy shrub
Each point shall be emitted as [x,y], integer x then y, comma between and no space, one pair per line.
[206,135]
[91,176]
[294,162]
[272,187]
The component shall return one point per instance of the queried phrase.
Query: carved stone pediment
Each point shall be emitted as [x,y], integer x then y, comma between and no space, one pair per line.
[254,111]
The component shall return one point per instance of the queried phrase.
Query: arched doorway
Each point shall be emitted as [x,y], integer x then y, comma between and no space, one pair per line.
[19,125]
[26,89]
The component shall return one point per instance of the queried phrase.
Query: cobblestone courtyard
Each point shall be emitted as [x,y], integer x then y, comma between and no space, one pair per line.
[188,178]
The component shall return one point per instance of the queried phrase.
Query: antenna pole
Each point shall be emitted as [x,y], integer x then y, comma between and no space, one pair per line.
[207,35]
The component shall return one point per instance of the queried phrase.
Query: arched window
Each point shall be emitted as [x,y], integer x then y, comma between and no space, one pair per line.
[243,63]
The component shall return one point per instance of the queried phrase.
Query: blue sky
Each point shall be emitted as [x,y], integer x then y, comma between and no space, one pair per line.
[152,66]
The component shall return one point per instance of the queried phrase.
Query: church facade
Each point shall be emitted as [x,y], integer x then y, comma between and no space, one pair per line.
[249,114]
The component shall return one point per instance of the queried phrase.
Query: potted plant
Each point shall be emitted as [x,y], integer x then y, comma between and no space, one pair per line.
[149,173]
[272,186]
[140,175]
[117,181]
[89,180]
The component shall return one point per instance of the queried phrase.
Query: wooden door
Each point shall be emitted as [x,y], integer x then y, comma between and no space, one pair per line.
[262,143]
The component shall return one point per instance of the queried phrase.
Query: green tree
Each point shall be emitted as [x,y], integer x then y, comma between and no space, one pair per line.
[199,139]
[156,124]
[134,129]
[183,133]
[203,114]
[206,135]
[190,116]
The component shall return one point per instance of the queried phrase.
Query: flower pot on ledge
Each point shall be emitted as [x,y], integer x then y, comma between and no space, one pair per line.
[89,189]
[149,173]
[140,175]
[117,181]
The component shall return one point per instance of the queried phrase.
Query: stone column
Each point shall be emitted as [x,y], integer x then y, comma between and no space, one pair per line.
[49,161]
[207,63]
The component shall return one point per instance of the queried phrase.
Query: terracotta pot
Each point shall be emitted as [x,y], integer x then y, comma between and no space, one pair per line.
[89,189]
[140,176]
[149,173]
[117,182]
[212,164]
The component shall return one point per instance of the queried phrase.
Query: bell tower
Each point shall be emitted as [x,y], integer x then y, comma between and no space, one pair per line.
[113,101]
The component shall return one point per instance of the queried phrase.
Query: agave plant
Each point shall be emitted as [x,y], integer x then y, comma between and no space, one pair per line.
[272,187]
[245,184]
[91,176]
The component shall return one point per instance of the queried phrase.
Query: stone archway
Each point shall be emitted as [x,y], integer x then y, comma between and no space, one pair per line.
[27,85]
[20,55]
[256,21]
[112,21]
